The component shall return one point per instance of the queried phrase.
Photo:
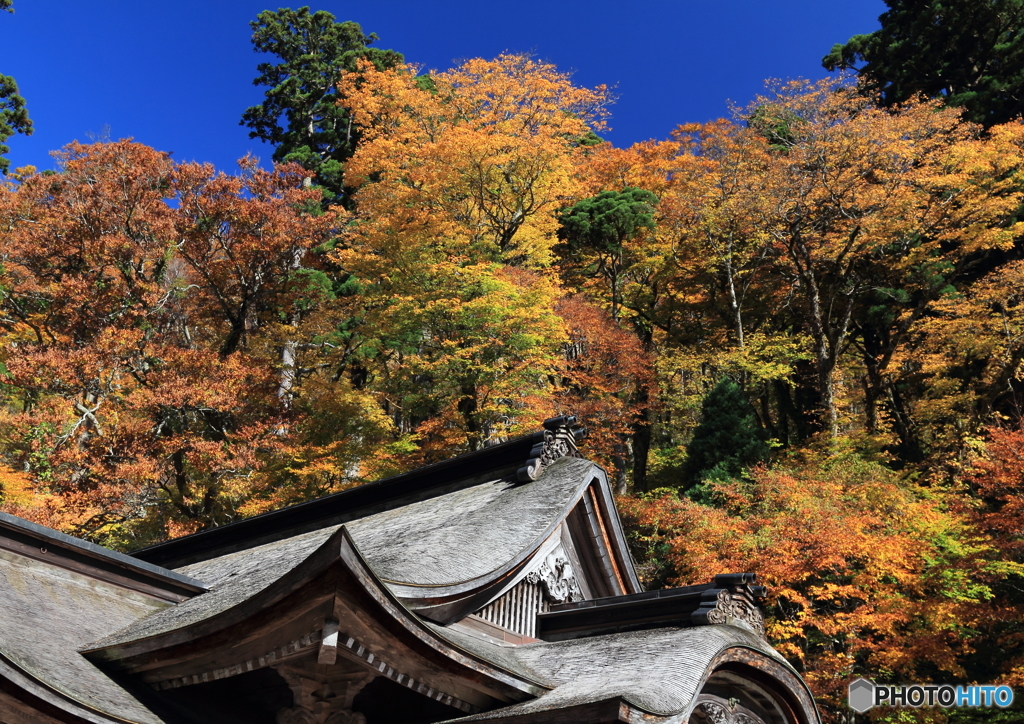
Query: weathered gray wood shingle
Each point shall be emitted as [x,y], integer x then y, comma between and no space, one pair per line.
[462,535]
[658,671]
[468,533]
[232,580]
[46,613]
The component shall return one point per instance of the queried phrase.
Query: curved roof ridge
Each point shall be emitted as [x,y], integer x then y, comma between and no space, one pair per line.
[539,507]
[338,548]
[503,460]
[686,658]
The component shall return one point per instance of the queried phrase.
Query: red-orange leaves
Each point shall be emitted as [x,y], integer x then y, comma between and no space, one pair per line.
[245,239]
[604,371]
[142,392]
[867,574]
[87,248]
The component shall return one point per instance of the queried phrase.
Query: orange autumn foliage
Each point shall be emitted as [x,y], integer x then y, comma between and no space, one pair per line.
[968,353]
[127,400]
[996,506]
[815,219]
[182,348]
[475,167]
[997,480]
[604,370]
[458,185]
[867,574]
[19,496]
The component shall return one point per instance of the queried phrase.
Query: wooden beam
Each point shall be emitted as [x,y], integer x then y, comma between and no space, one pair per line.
[328,653]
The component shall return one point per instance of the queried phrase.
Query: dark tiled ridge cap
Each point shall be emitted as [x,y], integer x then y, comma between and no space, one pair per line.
[722,580]
[500,460]
[637,611]
[663,593]
[50,541]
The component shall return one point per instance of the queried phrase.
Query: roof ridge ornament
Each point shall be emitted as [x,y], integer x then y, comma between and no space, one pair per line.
[560,434]
[733,600]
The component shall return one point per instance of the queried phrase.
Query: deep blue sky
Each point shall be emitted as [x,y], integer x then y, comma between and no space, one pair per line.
[177,75]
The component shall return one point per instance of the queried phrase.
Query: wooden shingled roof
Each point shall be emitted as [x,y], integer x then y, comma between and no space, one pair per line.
[655,673]
[504,461]
[390,583]
[58,593]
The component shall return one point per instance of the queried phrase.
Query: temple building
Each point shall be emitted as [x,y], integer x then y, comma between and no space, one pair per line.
[493,587]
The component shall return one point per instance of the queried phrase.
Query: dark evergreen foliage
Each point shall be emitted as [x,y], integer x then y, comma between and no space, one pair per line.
[728,439]
[13,113]
[606,221]
[971,54]
[300,115]
[603,224]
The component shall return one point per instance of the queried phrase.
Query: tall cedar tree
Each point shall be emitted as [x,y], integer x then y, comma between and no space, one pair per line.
[300,115]
[970,54]
[729,438]
[13,114]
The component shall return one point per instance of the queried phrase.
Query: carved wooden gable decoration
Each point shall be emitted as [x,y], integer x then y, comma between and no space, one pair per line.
[496,586]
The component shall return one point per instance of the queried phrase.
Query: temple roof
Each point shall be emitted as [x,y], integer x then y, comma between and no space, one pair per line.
[23,536]
[46,613]
[497,462]
[657,671]
[241,629]
[459,537]
[382,581]
[232,579]
[58,593]
[469,533]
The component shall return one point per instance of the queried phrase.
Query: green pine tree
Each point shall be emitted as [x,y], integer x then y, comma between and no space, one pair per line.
[300,114]
[728,439]
[13,113]
[603,224]
[968,53]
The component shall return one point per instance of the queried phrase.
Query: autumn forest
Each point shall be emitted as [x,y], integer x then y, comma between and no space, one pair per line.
[795,336]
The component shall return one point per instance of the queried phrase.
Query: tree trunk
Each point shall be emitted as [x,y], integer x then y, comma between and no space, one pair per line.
[642,435]
[620,458]
[734,303]
[643,424]
[467,407]
[828,329]
[910,446]
[826,385]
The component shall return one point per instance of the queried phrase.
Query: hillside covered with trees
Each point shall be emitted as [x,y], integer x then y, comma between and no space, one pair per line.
[795,336]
